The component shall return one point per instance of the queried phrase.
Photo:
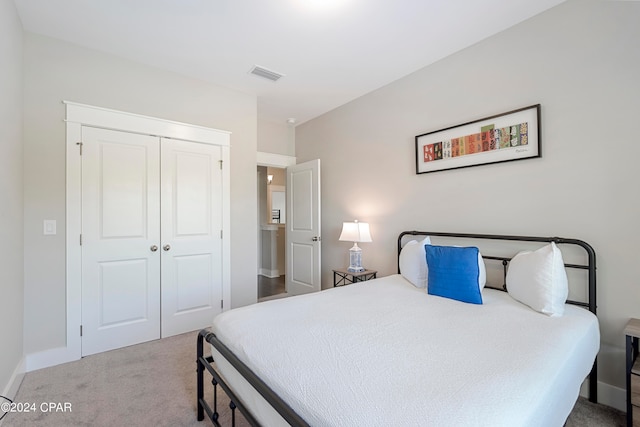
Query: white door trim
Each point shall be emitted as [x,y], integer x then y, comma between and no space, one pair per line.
[78,115]
[274,160]
[89,115]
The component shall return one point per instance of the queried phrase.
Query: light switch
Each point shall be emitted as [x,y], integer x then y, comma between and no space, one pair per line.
[49,227]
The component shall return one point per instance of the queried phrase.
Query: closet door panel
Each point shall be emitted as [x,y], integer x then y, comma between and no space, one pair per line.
[194,274]
[191,235]
[192,194]
[120,226]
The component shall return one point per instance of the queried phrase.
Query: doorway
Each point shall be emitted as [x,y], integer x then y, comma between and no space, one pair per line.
[272,218]
[302,229]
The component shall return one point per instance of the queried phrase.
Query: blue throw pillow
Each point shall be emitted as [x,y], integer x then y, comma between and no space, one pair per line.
[453,273]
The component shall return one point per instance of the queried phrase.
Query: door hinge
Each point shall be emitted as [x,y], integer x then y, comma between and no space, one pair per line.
[221,234]
[220,164]
[81,240]
[80,330]
[221,304]
[80,145]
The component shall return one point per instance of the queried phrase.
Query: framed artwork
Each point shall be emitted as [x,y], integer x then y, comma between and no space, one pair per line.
[514,135]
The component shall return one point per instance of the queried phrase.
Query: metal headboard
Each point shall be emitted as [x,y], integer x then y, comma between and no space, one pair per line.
[590,267]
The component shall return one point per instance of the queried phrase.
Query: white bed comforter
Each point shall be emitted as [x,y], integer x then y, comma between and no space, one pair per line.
[384,352]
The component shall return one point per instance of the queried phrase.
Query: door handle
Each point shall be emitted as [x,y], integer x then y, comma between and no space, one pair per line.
[153,248]
[316,238]
[166,247]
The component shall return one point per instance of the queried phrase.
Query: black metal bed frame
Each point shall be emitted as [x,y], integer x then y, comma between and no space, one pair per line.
[204,362]
[287,413]
[590,267]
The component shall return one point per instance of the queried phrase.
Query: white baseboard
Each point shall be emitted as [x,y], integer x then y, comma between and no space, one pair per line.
[608,394]
[615,397]
[11,389]
[271,274]
[48,358]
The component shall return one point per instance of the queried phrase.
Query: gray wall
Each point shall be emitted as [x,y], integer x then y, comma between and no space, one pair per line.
[56,71]
[581,61]
[277,138]
[11,250]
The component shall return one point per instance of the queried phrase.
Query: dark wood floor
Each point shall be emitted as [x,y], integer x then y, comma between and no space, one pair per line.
[268,287]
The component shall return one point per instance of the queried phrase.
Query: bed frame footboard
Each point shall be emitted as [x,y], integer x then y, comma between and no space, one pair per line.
[205,362]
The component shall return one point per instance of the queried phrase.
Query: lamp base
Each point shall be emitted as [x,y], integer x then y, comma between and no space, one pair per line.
[355,259]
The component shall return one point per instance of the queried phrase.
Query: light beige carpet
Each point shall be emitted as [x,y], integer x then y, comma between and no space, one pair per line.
[150,384]
[154,384]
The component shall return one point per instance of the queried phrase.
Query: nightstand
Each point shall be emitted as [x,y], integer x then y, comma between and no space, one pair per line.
[632,331]
[343,277]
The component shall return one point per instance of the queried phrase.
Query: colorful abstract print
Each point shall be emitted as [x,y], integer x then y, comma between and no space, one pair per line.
[488,139]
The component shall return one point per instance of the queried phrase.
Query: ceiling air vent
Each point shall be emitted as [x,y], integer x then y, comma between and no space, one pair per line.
[265,74]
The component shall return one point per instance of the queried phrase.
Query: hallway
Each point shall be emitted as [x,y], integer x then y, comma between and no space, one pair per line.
[269,287]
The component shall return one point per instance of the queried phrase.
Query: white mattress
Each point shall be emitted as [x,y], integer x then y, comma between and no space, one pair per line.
[384,352]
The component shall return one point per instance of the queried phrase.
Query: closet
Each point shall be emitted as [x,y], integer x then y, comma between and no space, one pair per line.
[152,250]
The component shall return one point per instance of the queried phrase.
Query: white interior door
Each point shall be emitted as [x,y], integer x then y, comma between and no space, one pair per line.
[120,239]
[191,235]
[303,228]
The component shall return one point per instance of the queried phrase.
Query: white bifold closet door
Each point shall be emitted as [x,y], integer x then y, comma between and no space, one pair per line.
[151,244]
[191,227]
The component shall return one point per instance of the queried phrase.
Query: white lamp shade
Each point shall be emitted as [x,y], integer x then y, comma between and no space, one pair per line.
[355,232]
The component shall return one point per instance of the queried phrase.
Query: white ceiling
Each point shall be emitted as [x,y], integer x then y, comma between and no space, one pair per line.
[330,51]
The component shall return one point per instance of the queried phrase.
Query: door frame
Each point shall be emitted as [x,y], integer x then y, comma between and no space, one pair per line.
[78,115]
[274,161]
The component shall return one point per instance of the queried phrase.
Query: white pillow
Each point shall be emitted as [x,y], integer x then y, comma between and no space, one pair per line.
[539,280]
[413,262]
[482,272]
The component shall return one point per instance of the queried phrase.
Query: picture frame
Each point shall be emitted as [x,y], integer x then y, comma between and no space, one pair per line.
[514,135]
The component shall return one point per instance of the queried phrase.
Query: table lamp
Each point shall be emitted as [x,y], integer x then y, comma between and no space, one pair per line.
[355,232]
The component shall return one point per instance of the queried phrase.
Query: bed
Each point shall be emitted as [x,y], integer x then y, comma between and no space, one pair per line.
[389,352]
